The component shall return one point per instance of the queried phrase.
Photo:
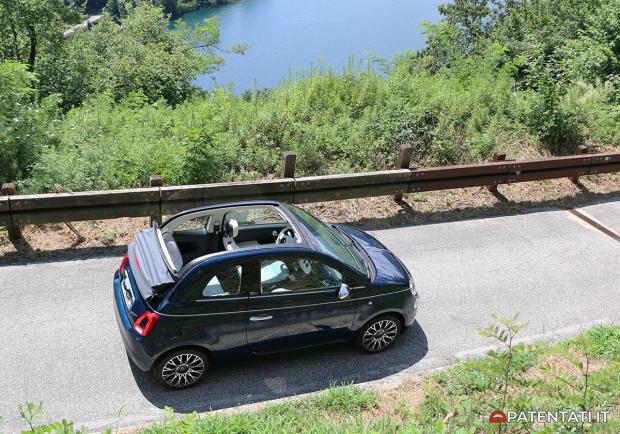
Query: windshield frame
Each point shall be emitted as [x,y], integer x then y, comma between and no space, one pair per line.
[326,245]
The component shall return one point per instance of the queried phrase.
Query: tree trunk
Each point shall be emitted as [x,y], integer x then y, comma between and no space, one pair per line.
[33,47]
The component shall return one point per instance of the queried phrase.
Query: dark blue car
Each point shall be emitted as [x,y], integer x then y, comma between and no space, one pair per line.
[254,278]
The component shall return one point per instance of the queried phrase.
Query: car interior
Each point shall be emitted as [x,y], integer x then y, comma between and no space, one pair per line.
[205,232]
[279,276]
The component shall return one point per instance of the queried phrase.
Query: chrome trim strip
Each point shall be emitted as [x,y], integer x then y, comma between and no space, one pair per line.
[380,295]
[284,307]
[305,292]
[220,298]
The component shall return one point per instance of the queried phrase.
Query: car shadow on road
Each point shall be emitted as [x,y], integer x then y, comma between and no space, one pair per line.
[277,376]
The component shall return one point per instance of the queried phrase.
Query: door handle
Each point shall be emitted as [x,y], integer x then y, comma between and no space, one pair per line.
[261,318]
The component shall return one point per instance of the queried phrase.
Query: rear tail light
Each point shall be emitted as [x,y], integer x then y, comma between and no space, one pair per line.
[145,323]
[123,262]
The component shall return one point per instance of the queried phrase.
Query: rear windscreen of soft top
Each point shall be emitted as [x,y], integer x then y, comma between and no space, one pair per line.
[148,263]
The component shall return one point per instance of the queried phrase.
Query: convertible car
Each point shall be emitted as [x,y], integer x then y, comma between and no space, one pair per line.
[237,279]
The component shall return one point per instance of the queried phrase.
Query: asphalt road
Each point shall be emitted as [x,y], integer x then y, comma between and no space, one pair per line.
[59,342]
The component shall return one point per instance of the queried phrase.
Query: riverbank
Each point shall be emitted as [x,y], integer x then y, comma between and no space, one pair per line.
[181,7]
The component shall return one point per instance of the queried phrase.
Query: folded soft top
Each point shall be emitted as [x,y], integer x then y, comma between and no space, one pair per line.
[152,264]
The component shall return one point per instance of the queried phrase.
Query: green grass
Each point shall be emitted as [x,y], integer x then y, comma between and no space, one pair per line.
[337,410]
[464,395]
[456,400]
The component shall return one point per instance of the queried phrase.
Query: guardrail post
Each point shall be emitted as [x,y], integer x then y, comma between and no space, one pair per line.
[581,149]
[289,159]
[497,156]
[15,232]
[405,153]
[156,181]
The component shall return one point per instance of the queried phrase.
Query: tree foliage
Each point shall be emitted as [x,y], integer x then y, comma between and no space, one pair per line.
[29,27]
[24,123]
[135,55]
[519,76]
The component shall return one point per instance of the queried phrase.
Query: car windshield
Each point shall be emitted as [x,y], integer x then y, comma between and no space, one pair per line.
[328,242]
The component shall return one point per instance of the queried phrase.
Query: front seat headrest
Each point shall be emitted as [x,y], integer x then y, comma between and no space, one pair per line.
[231,228]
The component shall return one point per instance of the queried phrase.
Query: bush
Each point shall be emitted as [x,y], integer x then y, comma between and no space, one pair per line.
[24,123]
[539,74]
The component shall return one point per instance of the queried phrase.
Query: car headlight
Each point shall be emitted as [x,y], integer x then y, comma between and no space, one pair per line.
[412,287]
[414,291]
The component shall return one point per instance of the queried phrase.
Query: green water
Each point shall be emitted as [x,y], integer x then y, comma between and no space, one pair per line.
[290,36]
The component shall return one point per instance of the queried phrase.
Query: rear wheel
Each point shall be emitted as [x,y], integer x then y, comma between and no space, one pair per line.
[182,368]
[378,334]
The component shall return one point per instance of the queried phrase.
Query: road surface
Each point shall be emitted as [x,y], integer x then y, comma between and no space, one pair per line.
[60,344]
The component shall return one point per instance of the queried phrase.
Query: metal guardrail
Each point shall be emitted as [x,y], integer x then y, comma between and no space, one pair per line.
[17,210]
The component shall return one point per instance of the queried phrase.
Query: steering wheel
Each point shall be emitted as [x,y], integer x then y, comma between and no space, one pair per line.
[286,235]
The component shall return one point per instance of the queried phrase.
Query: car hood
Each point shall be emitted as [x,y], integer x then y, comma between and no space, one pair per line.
[389,269]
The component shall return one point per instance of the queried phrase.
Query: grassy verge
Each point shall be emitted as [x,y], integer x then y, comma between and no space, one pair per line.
[456,400]
[575,375]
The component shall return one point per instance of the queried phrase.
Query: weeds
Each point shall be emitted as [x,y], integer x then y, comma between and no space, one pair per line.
[581,374]
[505,330]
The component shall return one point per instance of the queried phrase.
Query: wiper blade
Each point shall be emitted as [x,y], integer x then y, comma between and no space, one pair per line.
[357,246]
[353,241]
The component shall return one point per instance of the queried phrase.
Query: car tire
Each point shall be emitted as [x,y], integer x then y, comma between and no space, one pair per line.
[379,333]
[182,368]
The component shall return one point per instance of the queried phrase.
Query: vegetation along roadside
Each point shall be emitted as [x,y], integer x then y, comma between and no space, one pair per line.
[112,105]
[575,375]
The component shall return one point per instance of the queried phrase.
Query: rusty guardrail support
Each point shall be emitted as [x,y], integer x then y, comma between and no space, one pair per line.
[403,161]
[156,181]
[289,160]
[581,149]
[15,232]
[497,156]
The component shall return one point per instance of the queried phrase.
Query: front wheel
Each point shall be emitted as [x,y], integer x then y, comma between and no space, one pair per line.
[182,368]
[378,334]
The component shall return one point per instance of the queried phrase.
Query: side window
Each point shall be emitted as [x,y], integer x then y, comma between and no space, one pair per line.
[296,274]
[193,224]
[224,282]
[256,216]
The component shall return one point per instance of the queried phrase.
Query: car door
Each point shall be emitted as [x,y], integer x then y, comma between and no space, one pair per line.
[295,303]
[209,309]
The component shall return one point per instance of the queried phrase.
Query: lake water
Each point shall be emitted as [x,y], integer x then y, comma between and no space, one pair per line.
[290,36]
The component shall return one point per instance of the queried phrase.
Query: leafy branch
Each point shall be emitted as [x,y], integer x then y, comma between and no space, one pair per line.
[504,330]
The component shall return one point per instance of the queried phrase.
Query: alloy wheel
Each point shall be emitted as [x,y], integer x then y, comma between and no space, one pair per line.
[379,335]
[182,370]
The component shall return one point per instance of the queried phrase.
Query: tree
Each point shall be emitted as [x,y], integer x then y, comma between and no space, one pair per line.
[137,54]
[24,123]
[27,27]
[117,8]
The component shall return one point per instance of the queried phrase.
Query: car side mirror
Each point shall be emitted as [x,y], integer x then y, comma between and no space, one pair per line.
[343,292]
